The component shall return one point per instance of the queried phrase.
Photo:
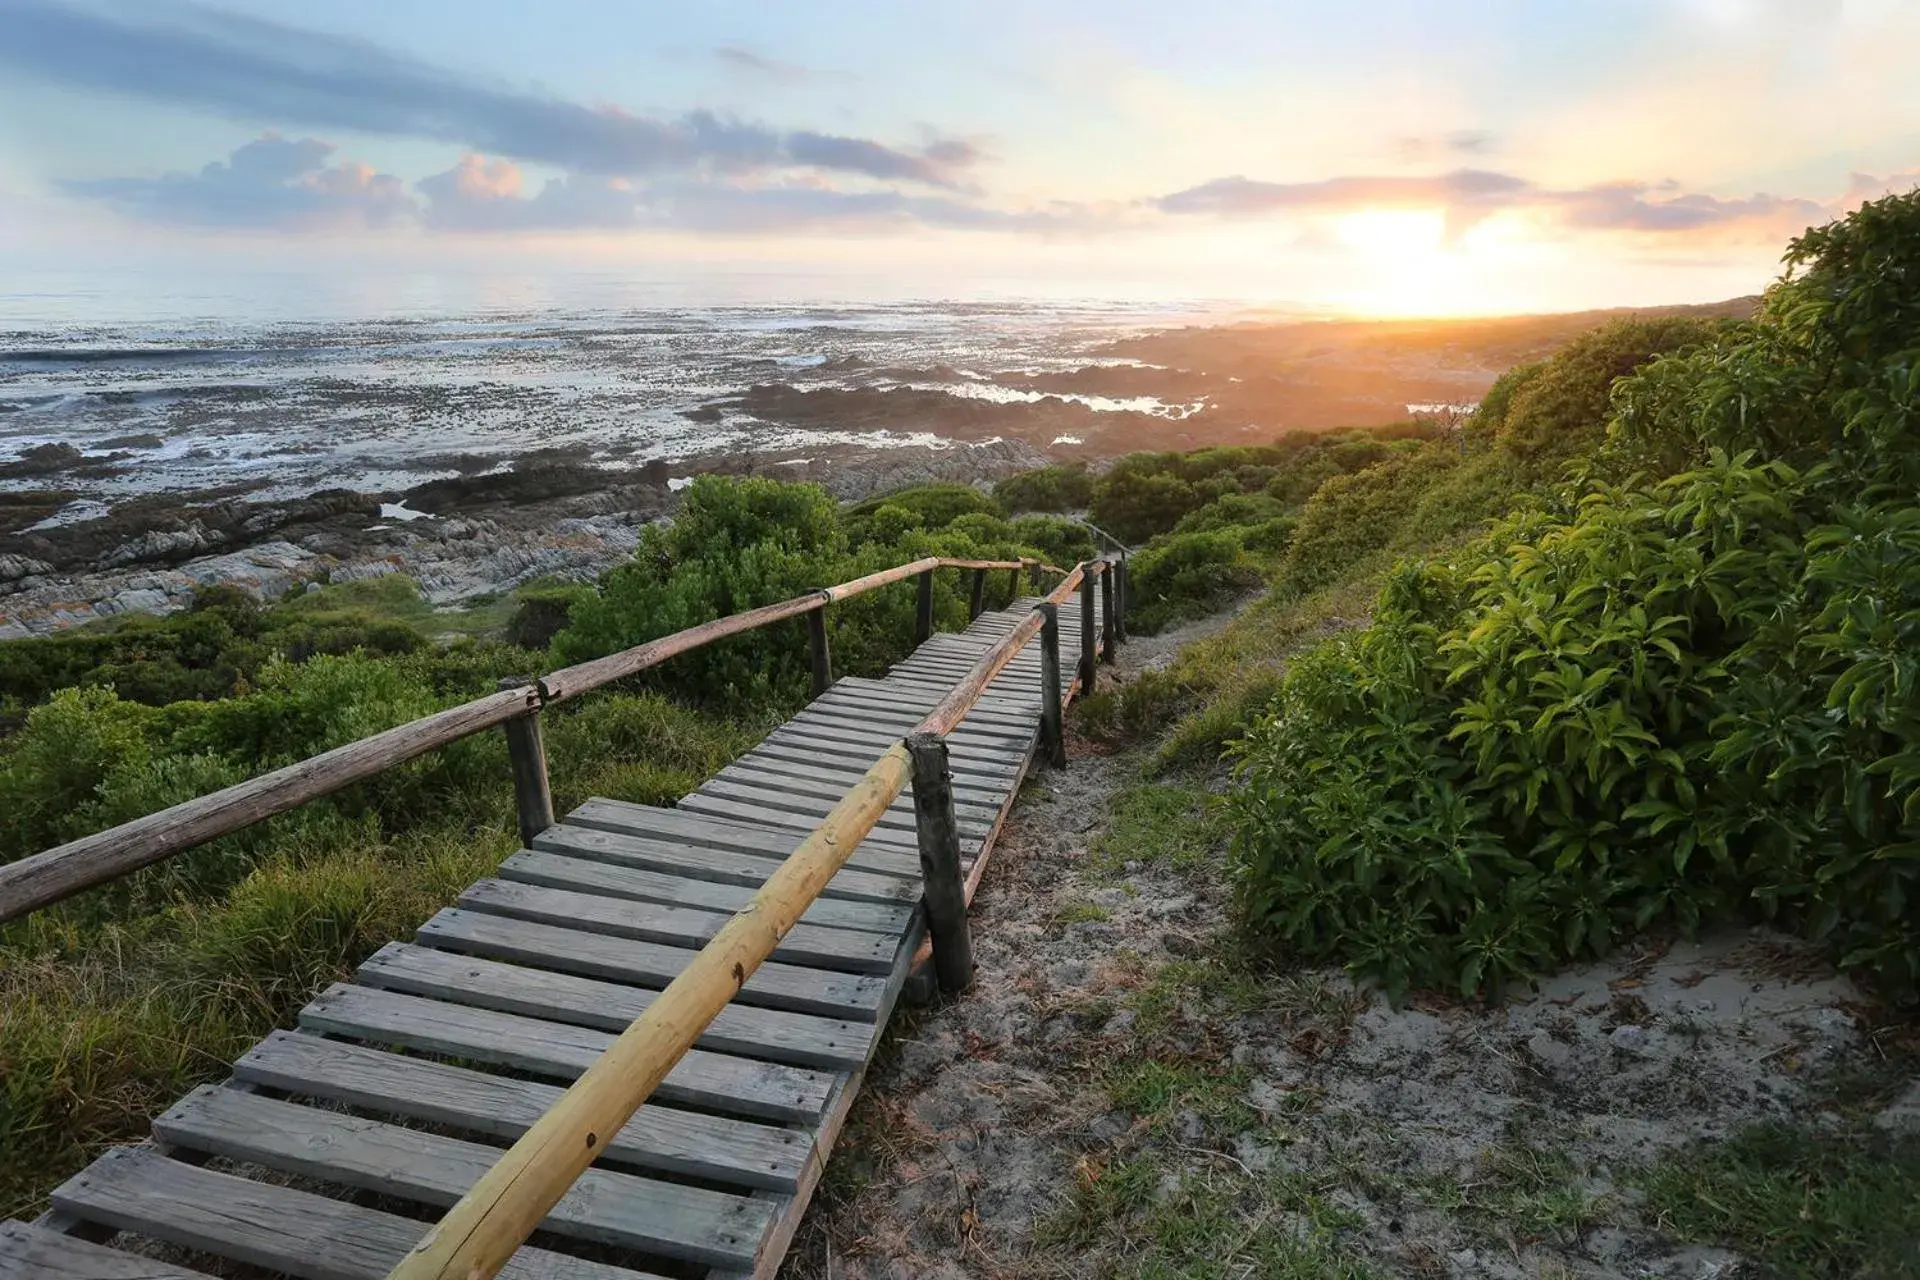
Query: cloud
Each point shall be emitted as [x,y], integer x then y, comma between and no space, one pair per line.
[258,70]
[1467,195]
[738,58]
[1242,197]
[271,182]
[1460,142]
[482,194]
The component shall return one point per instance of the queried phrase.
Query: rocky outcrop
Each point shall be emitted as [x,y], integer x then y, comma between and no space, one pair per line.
[492,532]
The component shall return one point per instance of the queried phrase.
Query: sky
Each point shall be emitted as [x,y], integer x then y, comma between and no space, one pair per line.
[1393,157]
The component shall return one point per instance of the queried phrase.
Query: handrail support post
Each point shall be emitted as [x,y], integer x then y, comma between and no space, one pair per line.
[527,756]
[1109,611]
[977,599]
[1053,739]
[923,609]
[1120,588]
[942,883]
[822,650]
[1089,660]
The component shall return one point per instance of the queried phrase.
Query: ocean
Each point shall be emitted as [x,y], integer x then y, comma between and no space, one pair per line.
[208,382]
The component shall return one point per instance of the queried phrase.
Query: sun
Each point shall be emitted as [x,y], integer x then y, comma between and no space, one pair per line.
[1393,233]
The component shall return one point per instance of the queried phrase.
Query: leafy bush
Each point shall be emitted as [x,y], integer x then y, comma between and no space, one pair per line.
[1187,575]
[1680,703]
[1559,408]
[1046,489]
[1231,510]
[935,505]
[1061,542]
[1133,504]
[541,613]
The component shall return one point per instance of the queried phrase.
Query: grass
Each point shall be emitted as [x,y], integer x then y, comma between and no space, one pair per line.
[1159,824]
[1842,1202]
[1217,684]
[1156,1221]
[395,597]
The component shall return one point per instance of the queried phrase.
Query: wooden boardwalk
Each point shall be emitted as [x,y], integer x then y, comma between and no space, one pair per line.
[336,1144]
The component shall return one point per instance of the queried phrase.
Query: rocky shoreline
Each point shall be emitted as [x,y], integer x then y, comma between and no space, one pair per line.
[548,516]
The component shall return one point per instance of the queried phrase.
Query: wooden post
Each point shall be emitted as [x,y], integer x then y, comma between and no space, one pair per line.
[1109,589]
[1013,586]
[977,601]
[1053,740]
[941,882]
[1088,641]
[923,611]
[1120,589]
[822,653]
[1034,574]
[527,754]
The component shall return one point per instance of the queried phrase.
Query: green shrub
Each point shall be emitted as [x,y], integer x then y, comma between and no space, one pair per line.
[936,505]
[1560,408]
[1046,489]
[1186,575]
[1133,504]
[1681,704]
[1062,542]
[1351,516]
[540,614]
[1231,510]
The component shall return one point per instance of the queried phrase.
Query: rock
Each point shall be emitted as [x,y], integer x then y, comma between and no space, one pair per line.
[1172,905]
[1119,1024]
[1628,1038]
[1903,1115]
[1550,1052]
[1109,1126]
[1189,1127]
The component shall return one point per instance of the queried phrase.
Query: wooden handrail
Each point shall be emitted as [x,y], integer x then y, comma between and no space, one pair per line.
[484,1229]
[42,879]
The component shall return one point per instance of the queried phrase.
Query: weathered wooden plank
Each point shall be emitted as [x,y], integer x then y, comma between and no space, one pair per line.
[829,783]
[806,944]
[986,737]
[841,740]
[720,806]
[716,1081]
[801,1039]
[35,1253]
[746,811]
[906,702]
[788,763]
[771,986]
[292,1232]
[687,1143]
[800,744]
[722,866]
[774,792]
[808,802]
[709,831]
[557,871]
[603,1207]
[771,795]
